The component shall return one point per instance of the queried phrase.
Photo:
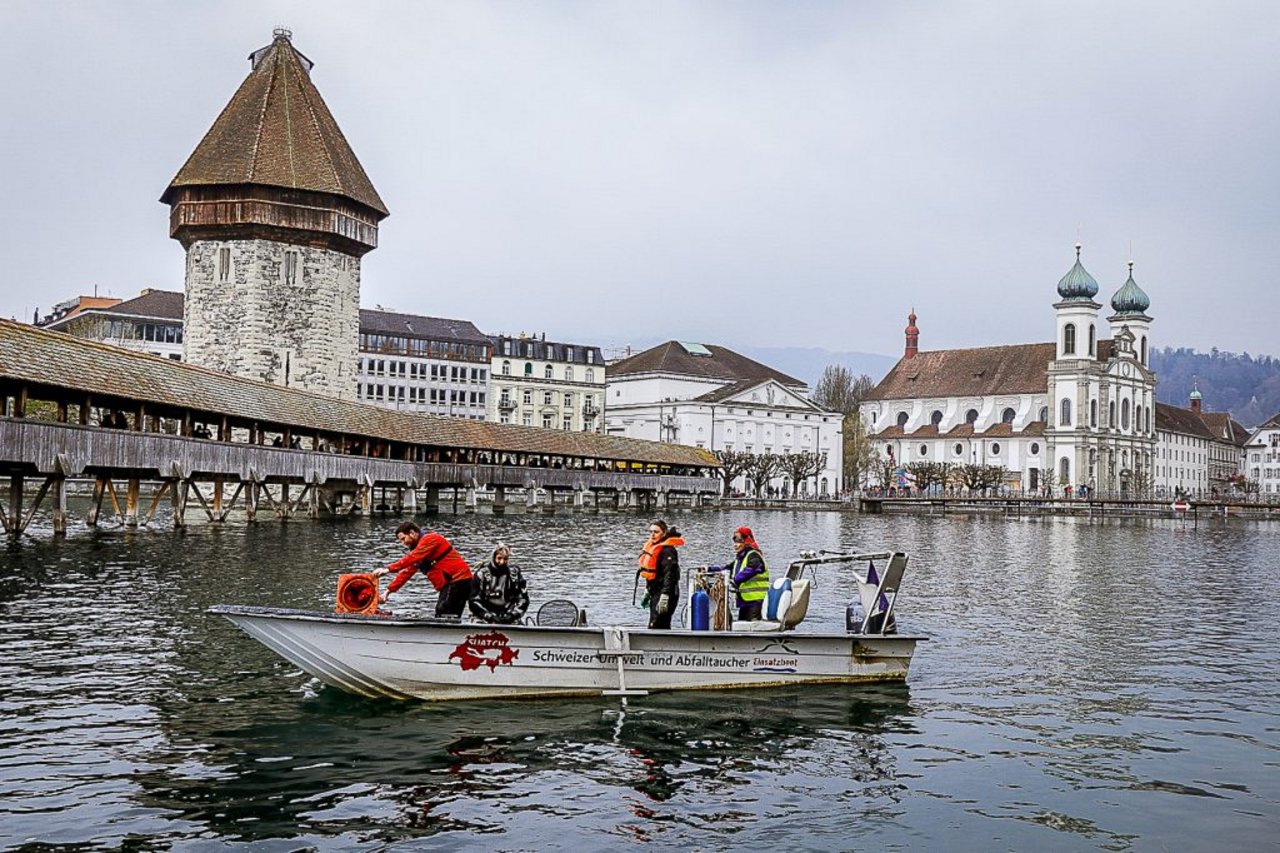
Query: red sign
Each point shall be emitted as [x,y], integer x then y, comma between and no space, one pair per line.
[491,650]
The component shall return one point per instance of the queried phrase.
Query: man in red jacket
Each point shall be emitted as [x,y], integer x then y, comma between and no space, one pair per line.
[434,555]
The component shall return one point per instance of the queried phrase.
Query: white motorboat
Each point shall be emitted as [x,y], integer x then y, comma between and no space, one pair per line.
[437,659]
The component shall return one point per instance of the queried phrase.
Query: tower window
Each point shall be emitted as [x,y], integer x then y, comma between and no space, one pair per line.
[224,264]
[936,417]
[1069,339]
[1007,416]
[1066,413]
[290,267]
[971,416]
[1093,340]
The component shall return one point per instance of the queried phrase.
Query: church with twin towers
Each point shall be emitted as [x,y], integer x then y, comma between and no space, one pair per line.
[1077,411]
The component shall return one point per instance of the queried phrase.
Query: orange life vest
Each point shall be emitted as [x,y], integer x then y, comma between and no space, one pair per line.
[649,556]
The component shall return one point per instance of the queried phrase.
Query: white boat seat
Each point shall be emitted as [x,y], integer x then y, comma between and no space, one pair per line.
[879,593]
[558,613]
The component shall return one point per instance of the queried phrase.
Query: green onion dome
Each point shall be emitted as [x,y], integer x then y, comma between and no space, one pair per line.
[1077,283]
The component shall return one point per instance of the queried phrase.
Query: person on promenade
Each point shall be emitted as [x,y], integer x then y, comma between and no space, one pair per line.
[660,569]
[501,596]
[439,560]
[750,575]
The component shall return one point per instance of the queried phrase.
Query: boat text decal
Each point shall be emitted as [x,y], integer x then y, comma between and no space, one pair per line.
[491,650]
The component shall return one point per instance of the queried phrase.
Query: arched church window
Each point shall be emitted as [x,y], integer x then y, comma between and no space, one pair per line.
[1124,414]
[971,416]
[902,419]
[1064,470]
[1065,420]
[1144,349]
[1148,420]
[1093,413]
[936,417]
[1093,339]
[1007,416]
[1111,415]
[1069,339]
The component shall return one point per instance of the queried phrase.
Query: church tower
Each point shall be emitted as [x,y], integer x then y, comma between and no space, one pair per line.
[1072,431]
[275,213]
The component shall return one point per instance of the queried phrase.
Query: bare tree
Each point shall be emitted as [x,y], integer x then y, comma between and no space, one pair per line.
[928,474]
[838,390]
[801,466]
[764,467]
[734,463]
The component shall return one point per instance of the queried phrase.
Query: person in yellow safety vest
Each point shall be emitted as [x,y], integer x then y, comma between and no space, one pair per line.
[750,575]
[660,569]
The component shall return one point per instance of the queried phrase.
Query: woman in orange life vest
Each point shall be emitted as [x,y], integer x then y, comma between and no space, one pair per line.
[660,568]
[436,557]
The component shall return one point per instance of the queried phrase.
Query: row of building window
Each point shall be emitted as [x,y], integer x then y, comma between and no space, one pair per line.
[414,394]
[541,349]
[548,371]
[422,348]
[548,398]
[418,370]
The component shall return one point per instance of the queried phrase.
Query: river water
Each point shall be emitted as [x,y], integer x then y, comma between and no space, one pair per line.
[1088,685]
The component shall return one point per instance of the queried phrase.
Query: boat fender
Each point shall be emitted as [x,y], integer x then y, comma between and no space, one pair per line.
[700,611]
[778,600]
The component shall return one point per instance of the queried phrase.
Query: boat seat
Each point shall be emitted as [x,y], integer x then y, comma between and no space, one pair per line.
[879,593]
[558,613]
[785,607]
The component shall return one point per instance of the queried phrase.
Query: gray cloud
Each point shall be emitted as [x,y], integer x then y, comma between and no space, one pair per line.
[785,174]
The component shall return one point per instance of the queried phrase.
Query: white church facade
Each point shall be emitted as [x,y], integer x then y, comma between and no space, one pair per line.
[1078,411]
[712,397]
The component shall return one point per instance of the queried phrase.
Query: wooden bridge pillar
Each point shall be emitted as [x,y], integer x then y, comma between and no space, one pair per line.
[13,524]
[578,502]
[251,500]
[470,500]
[364,494]
[60,506]
[217,500]
[531,499]
[499,500]
[432,503]
[284,508]
[179,502]
[131,503]
[411,501]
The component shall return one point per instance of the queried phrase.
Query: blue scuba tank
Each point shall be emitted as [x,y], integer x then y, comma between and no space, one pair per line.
[700,611]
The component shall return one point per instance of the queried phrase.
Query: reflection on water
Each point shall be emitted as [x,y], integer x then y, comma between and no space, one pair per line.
[1102,685]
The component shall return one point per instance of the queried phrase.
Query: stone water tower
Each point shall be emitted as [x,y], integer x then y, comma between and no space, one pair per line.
[275,212]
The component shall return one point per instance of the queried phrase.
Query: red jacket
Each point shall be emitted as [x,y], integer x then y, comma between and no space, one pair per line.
[434,555]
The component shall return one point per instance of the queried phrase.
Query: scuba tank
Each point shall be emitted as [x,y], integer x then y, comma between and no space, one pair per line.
[854,616]
[700,611]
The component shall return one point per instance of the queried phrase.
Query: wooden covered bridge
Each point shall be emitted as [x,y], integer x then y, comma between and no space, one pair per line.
[134,423]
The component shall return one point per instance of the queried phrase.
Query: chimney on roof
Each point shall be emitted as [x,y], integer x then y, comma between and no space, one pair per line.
[913,336]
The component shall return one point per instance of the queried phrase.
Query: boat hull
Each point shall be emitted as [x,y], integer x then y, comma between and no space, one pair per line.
[436,659]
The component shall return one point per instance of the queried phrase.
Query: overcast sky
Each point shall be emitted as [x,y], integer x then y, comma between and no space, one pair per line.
[728,172]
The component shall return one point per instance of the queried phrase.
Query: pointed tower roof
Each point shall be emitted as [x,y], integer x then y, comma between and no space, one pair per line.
[277,131]
[1077,283]
[1130,299]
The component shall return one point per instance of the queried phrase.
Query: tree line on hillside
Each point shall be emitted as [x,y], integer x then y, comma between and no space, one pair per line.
[1246,386]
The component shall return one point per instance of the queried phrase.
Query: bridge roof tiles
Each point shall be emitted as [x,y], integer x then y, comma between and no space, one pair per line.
[40,357]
